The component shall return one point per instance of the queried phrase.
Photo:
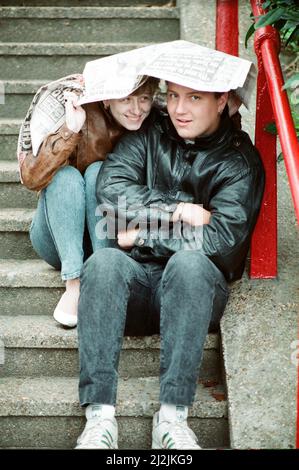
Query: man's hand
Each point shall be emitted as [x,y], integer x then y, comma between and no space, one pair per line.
[127,239]
[74,115]
[192,214]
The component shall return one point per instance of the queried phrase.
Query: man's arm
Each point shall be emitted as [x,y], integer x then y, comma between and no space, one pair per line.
[121,184]
[234,209]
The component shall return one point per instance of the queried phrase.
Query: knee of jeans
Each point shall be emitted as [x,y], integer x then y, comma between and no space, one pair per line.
[91,173]
[185,263]
[66,177]
[105,258]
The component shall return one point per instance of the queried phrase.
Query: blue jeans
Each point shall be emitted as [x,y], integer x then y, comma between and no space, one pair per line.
[119,295]
[65,208]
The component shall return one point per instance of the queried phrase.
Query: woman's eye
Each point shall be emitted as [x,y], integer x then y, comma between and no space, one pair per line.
[195,97]
[171,95]
[145,99]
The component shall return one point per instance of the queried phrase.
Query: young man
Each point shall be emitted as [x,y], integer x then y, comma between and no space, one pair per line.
[194,184]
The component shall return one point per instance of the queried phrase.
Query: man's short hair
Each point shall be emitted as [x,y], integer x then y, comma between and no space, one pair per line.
[149,86]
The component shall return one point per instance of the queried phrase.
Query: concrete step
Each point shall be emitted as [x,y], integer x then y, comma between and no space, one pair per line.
[14,234]
[12,192]
[100,3]
[33,287]
[50,61]
[28,287]
[45,413]
[9,131]
[36,345]
[88,24]
[18,96]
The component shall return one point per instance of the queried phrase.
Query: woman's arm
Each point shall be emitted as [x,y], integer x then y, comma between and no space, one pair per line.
[56,149]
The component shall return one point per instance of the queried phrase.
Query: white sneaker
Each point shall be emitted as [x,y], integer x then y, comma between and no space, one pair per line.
[99,433]
[173,435]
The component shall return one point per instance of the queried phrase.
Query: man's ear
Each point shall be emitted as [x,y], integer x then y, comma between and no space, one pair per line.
[222,100]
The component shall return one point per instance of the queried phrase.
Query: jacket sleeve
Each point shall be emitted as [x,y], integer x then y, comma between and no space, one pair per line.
[55,151]
[121,184]
[234,209]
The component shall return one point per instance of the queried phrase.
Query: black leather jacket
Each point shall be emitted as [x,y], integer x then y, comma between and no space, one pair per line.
[153,169]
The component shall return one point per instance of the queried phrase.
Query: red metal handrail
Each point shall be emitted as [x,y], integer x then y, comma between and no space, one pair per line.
[227,27]
[266,46]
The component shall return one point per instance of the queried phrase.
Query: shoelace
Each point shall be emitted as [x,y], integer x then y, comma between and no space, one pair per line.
[96,433]
[183,436]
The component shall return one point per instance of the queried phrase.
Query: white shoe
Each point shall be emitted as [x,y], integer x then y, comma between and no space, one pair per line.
[99,433]
[66,319]
[173,435]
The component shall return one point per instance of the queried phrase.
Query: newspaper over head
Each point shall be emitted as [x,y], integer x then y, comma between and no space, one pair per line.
[181,62]
[117,76]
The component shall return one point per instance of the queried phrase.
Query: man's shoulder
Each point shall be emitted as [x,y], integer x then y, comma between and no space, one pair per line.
[242,149]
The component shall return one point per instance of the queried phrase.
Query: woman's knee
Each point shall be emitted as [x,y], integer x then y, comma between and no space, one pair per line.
[65,178]
[91,174]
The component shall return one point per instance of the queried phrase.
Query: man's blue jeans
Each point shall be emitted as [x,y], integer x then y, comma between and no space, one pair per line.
[65,207]
[120,295]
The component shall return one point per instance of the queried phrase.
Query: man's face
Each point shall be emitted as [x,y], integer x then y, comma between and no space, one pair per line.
[132,110]
[194,113]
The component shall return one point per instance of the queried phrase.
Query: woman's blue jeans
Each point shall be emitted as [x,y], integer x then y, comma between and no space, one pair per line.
[66,207]
[119,295]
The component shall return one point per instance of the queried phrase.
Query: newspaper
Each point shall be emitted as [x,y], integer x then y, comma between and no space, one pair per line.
[181,62]
[117,76]
[46,113]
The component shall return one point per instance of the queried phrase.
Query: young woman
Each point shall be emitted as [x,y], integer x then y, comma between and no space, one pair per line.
[65,172]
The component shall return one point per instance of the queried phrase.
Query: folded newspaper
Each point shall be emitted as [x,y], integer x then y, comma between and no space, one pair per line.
[181,62]
[117,76]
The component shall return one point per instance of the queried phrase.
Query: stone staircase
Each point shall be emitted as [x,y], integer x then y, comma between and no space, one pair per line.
[39,407]
[41,40]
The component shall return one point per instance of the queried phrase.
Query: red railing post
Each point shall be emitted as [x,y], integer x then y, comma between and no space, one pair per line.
[263,262]
[227,26]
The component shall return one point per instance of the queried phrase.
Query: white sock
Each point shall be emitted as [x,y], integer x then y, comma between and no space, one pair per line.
[97,409]
[169,412]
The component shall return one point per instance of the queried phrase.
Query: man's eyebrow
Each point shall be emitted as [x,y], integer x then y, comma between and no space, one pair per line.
[192,92]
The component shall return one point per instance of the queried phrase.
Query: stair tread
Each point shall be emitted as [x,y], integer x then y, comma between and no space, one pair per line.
[28,273]
[10,126]
[58,396]
[15,219]
[89,12]
[68,48]
[9,171]
[23,86]
[41,331]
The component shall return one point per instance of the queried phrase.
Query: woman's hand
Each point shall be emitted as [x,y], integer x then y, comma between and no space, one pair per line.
[74,115]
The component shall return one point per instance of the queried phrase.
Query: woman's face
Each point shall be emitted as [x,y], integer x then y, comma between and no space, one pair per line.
[132,110]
